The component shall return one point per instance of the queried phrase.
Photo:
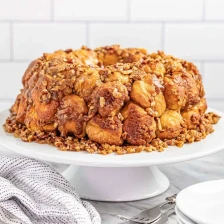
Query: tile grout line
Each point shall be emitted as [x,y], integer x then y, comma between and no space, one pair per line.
[178,22]
[202,72]
[52,10]
[128,11]
[11,41]
[163,36]
[87,35]
[217,99]
[15,61]
[210,60]
[203,11]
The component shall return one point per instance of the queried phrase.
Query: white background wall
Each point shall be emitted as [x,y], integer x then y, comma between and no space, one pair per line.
[191,29]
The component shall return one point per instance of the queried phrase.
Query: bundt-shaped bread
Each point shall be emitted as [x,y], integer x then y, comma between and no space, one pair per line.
[111,99]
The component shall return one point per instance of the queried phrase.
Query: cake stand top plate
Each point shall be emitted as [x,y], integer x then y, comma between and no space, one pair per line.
[211,144]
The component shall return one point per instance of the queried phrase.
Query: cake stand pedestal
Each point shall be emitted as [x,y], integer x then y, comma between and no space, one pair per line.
[116,184]
[116,177]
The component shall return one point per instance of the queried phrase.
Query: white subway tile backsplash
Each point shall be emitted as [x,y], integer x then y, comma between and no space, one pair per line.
[4,41]
[91,10]
[127,35]
[216,104]
[166,10]
[192,30]
[213,80]
[195,41]
[25,10]
[31,40]
[214,9]
[11,78]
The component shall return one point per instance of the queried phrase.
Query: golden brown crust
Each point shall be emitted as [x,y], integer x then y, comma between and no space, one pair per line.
[142,93]
[191,89]
[105,130]
[111,99]
[86,83]
[111,55]
[21,108]
[70,116]
[192,116]
[174,92]
[169,125]
[139,128]
[108,98]
[30,71]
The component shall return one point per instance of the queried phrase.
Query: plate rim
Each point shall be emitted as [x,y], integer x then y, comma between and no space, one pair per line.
[87,159]
[194,218]
[182,217]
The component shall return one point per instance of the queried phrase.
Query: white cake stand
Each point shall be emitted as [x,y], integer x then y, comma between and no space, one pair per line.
[113,177]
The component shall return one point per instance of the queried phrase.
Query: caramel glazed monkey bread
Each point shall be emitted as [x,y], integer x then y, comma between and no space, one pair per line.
[111,100]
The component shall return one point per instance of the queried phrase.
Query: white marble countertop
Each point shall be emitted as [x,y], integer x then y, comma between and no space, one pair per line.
[181,175]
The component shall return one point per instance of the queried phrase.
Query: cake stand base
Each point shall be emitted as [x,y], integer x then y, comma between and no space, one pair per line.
[116,184]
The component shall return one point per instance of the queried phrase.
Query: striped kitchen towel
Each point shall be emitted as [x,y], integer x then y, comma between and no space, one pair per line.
[32,192]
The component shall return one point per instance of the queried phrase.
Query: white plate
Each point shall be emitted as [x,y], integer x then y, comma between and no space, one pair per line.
[203,202]
[182,218]
[179,221]
[212,144]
